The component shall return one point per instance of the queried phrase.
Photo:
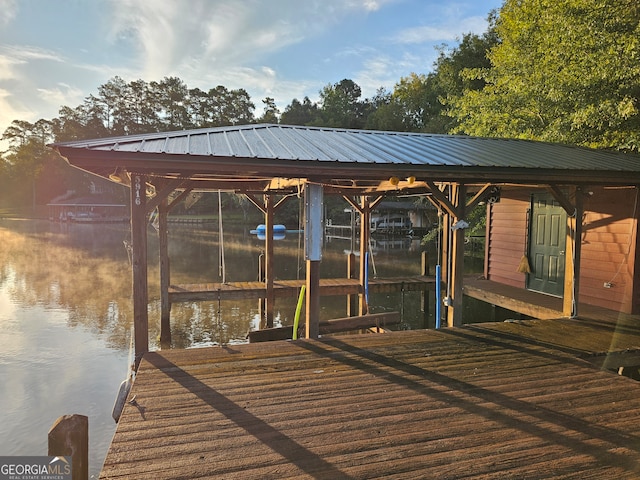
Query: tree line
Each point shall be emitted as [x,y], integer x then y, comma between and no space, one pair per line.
[563,71]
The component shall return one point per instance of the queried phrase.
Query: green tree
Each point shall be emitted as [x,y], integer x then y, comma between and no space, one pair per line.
[271,111]
[25,159]
[564,71]
[341,105]
[451,78]
[239,107]
[387,113]
[173,99]
[300,113]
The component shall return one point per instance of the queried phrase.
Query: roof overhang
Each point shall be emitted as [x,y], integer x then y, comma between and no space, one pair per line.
[282,156]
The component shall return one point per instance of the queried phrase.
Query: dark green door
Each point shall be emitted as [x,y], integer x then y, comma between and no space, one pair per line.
[547,237]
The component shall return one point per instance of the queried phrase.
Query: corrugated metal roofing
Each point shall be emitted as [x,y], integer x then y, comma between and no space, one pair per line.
[287,142]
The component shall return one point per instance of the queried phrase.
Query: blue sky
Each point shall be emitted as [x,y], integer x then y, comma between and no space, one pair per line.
[57,52]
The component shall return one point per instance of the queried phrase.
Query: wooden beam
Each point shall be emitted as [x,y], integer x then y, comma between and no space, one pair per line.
[348,324]
[352,273]
[256,203]
[69,437]
[564,202]
[454,312]
[312,306]
[165,280]
[281,202]
[336,325]
[375,202]
[179,198]
[279,183]
[365,231]
[353,203]
[424,295]
[268,262]
[478,197]
[573,250]
[442,200]
[388,186]
[165,189]
[313,235]
[139,266]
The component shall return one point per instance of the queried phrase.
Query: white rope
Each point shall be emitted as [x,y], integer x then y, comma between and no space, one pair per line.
[222,268]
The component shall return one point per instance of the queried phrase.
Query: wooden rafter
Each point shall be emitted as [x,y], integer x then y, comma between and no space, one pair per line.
[165,190]
[479,197]
[562,199]
[442,200]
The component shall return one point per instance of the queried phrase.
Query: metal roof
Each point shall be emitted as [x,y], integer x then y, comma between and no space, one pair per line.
[279,149]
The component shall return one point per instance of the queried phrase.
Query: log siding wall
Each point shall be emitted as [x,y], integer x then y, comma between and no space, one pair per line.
[609,249]
[507,227]
[609,245]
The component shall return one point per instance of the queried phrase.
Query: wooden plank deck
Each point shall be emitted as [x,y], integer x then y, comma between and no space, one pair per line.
[607,337]
[527,302]
[291,288]
[482,401]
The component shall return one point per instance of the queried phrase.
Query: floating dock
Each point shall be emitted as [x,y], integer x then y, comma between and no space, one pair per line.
[524,399]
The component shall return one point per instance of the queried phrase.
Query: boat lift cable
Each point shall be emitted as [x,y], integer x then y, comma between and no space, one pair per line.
[222,268]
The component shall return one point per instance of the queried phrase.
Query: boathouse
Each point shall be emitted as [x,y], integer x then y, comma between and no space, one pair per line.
[562,220]
[531,399]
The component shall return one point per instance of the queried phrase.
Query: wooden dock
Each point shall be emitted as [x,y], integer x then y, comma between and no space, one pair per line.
[291,288]
[525,399]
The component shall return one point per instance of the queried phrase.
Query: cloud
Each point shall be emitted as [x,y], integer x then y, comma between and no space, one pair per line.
[10,110]
[31,85]
[226,42]
[449,31]
[220,34]
[61,94]
[8,11]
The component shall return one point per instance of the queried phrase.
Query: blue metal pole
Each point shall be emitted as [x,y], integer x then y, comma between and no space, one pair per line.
[438,294]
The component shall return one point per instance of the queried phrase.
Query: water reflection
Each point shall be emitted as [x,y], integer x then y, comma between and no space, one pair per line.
[66,311]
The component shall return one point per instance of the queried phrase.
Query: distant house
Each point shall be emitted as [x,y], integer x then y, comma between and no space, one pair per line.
[402,218]
[90,208]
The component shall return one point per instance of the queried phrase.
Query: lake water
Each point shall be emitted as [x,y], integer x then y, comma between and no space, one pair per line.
[66,313]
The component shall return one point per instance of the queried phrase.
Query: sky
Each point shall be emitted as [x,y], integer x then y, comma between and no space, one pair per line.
[55,53]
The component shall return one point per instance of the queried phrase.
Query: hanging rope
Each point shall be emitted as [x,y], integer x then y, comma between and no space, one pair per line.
[222,268]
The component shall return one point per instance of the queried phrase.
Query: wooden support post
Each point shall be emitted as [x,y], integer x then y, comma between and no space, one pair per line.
[352,273]
[268,244]
[69,437]
[139,266]
[261,278]
[313,236]
[365,231]
[312,308]
[424,294]
[454,312]
[445,243]
[572,258]
[163,247]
